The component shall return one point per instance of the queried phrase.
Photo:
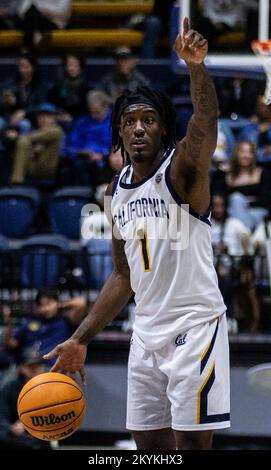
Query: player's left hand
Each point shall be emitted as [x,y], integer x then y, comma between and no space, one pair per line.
[190,45]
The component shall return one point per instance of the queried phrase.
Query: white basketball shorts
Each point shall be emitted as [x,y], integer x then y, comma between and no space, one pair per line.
[185,385]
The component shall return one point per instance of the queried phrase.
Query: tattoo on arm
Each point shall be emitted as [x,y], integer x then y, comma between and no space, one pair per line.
[195,141]
[203,94]
[202,127]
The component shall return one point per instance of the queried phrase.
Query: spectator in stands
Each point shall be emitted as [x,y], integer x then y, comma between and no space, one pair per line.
[89,142]
[259,132]
[156,25]
[8,13]
[22,93]
[220,16]
[51,322]
[225,144]
[113,166]
[6,357]
[231,240]
[96,233]
[36,154]
[237,97]
[69,94]
[262,231]
[39,16]
[228,234]
[124,76]
[247,183]
[12,433]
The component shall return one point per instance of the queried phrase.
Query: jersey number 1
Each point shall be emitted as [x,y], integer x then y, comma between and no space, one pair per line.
[144,246]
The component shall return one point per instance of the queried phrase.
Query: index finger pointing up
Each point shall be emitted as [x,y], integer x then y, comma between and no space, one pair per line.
[186,25]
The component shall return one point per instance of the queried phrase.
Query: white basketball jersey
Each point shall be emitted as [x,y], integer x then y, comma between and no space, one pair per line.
[170,256]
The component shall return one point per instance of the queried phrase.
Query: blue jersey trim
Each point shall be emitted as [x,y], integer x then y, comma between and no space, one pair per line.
[139,183]
[179,201]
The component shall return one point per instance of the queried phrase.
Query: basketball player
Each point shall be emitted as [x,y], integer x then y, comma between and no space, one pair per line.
[178,372]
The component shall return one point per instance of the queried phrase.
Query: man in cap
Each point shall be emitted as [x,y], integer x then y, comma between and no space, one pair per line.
[124,75]
[12,433]
[36,154]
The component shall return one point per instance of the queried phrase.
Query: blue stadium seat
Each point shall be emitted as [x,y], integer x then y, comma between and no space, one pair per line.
[100,263]
[3,244]
[18,206]
[65,210]
[3,250]
[44,261]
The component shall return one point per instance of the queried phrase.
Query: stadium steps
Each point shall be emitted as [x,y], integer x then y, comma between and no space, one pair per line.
[113,8]
[89,37]
[79,38]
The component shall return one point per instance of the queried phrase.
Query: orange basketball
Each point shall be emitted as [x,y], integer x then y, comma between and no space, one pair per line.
[51,406]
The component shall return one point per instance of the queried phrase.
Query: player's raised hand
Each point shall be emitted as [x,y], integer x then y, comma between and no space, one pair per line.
[190,45]
[71,358]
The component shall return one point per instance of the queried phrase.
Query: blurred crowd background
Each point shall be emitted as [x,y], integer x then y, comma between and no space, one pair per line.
[63,63]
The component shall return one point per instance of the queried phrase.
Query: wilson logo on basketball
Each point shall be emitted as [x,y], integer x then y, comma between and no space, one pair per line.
[51,419]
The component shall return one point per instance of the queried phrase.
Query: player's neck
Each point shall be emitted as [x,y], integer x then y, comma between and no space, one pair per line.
[142,170]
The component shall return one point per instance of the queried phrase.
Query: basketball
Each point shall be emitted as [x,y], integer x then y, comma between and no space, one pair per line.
[51,406]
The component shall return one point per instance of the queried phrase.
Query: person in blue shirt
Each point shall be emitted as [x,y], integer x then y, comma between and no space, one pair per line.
[259,132]
[51,322]
[89,142]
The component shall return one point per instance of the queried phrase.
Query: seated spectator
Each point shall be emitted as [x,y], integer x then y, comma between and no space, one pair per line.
[231,238]
[225,144]
[6,358]
[39,16]
[8,13]
[13,435]
[156,25]
[89,142]
[52,322]
[22,93]
[113,166]
[36,154]
[259,132]
[262,232]
[218,17]
[247,183]
[124,76]
[96,233]
[238,96]
[69,94]
[228,234]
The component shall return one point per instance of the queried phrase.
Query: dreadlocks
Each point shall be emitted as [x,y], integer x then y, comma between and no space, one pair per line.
[159,101]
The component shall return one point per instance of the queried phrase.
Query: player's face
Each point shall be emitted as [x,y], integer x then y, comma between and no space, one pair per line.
[141,132]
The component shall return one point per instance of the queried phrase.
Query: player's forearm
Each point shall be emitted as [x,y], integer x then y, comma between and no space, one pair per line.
[113,297]
[203,94]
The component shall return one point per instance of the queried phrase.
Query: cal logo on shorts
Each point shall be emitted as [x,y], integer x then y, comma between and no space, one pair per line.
[180,340]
